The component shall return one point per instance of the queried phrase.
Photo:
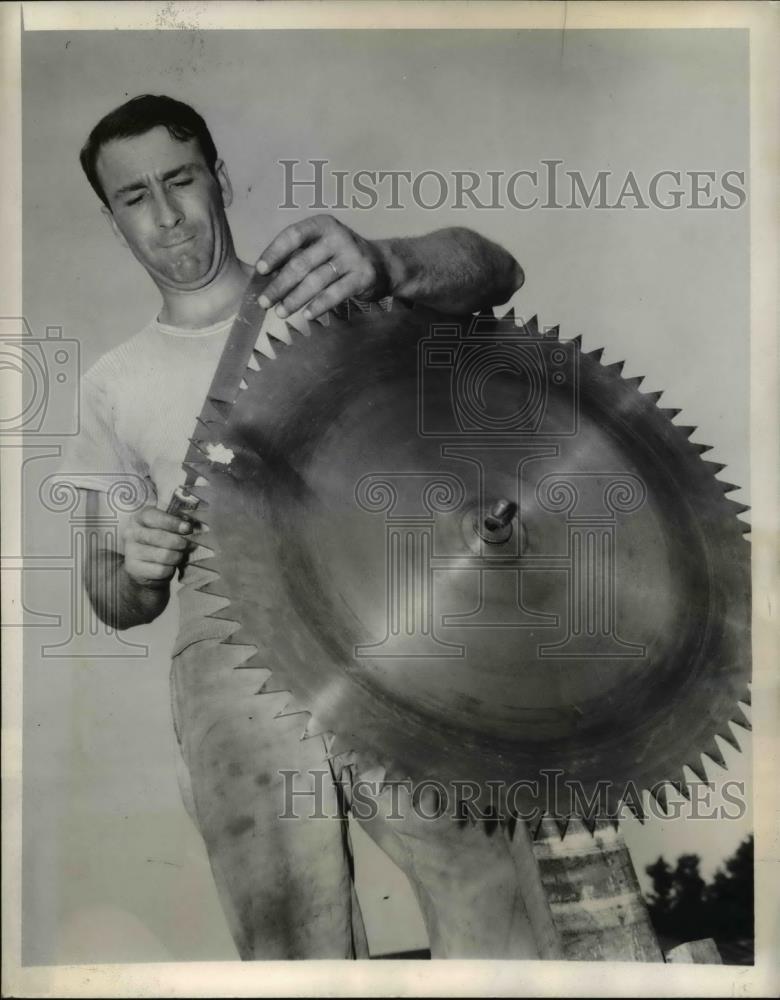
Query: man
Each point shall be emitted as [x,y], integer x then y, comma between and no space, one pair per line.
[285,885]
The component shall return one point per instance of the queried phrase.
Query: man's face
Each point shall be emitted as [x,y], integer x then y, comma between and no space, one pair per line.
[167,207]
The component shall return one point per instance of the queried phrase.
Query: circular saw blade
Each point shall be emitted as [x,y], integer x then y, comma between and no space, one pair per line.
[602,634]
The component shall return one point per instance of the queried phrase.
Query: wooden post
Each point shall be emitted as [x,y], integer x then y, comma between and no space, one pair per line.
[594,894]
[701,952]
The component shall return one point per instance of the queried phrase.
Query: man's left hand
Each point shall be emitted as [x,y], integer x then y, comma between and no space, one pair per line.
[320,263]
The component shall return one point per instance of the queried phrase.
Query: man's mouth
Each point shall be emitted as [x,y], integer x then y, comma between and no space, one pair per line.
[177,243]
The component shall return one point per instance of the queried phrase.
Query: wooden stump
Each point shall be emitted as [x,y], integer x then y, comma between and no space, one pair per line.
[701,952]
[594,894]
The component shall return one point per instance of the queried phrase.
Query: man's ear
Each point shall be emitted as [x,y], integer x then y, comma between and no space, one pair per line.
[223,179]
[112,222]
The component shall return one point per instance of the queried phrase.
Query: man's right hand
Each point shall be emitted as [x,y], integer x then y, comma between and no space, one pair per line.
[156,543]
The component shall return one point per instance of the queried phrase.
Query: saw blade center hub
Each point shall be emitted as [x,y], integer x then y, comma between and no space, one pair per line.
[493,523]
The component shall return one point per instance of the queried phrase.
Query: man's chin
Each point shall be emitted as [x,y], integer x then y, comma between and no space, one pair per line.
[188,275]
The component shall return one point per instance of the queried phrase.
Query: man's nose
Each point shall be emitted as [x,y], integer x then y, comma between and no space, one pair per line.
[168,212]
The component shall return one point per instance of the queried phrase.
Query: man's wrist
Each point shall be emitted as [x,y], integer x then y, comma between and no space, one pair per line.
[398,267]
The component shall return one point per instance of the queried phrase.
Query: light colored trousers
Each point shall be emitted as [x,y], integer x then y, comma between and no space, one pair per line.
[286,885]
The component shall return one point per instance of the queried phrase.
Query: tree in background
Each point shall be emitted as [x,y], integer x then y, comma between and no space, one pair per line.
[730,896]
[683,907]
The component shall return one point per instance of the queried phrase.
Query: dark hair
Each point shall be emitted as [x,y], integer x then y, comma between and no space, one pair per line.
[140,115]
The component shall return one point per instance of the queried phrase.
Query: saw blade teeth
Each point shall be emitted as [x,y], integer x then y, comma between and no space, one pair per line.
[240,638]
[289,709]
[683,788]
[577,341]
[563,824]
[246,663]
[243,384]
[208,467]
[263,349]
[597,354]
[747,697]
[616,367]
[211,415]
[251,376]
[659,793]
[670,412]
[222,406]
[271,686]
[532,326]
[728,737]
[199,446]
[745,720]
[712,750]
[211,587]
[714,467]
[728,487]
[223,614]
[276,328]
[297,329]
[208,427]
[334,757]
[202,492]
[636,808]
[313,728]
[635,381]
[193,469]
[553,332]
[323,320]
[548,828]
[280,339]
[203,564]
[698,770]
[508,315]
[253,364]
[577,825]
[737,508]
[542,826]
[687,431]
[653,396]
[255,661]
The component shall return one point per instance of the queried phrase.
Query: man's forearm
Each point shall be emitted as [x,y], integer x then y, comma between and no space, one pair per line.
[119,601]
[454,270]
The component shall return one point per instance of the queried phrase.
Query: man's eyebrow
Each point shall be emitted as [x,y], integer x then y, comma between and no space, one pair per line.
[167,176]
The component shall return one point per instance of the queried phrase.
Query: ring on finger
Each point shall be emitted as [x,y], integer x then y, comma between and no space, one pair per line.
[334,268]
